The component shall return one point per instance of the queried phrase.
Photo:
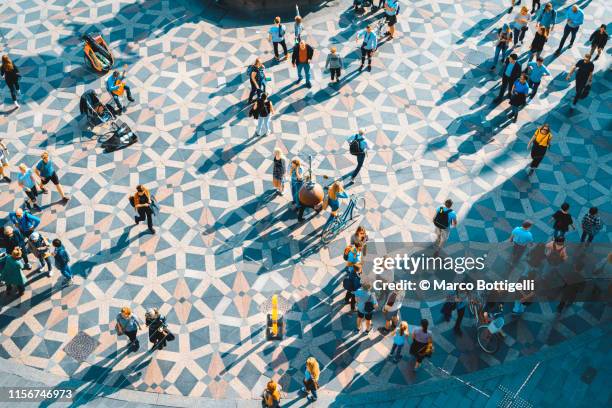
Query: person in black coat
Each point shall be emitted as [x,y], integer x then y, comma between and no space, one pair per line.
[598,40]
[537,45]
[10,239]
[159,334]
[11,76]
[301,58]
[510,73]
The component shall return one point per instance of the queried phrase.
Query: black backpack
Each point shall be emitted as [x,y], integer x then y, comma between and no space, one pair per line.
[355,147]
[441,218]
[348,284]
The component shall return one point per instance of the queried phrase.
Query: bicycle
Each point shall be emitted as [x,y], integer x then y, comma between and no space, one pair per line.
[489,331]
[342,221]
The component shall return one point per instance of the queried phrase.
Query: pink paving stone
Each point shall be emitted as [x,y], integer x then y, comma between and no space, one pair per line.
[153,374]
[216,366]
[182,310]
[136,261]
[242,305]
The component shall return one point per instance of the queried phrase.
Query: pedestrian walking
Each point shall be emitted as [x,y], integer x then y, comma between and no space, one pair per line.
[351,283]
[422,343]
[537,44]
[271,396]
[62,261]
[360,236]
[521,238]
[301,58]
[334,63]
[353,254]
[399,339]
[262,110]
[332,200]
[14,239]
[391,310]
[591,225]
[276,34]
[444,219]
[115,85]
[279,167]
[536,71]
[456,301]
[4,165]
[257,79]
[366,304]
[556,251]
[547,19]
[41,249]
[24,221]
[11,272]
[296,173]
[535,3]
[598,40]
[518,99]
[368,46]
[539,142]
[519,26]
[358,146]
[27,182]
[128,324]
[584,77]
[159,334]
[11,75]
[46,170]
[514,3]
[510,73]
[504,36]
[143,202]
[311,379]
[562,221]
[391,10]
[575,18]
[298,30]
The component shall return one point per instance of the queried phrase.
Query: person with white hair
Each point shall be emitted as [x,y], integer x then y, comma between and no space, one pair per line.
[41,249]
[159,334]
[27,182]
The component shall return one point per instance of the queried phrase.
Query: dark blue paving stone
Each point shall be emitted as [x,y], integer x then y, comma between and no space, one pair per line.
[199,338]
[249,375]
[185,382]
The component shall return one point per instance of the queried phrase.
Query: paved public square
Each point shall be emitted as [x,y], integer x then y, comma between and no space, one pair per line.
[225,243]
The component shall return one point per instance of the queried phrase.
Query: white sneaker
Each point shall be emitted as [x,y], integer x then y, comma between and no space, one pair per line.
[16,104]
[50,273]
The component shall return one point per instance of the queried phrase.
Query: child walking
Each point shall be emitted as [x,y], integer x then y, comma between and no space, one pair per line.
[334,63]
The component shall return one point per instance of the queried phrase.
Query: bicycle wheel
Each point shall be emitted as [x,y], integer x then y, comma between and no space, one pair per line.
[487,341]
[330,232]
[360,203]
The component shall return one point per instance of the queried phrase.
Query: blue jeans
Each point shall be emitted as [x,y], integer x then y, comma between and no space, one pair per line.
[538,54]
[360,159]
[515,110]
[499,51]
[66,272]
[559,233]
[566,32]
[295,192]
[306,69]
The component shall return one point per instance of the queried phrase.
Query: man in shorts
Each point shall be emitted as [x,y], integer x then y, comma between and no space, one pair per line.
[391,9]
[46,171]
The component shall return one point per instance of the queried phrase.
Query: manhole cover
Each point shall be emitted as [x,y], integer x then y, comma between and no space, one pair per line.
[283,306]
[81,346]
[474,57]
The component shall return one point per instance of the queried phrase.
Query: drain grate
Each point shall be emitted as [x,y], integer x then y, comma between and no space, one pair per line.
[81,346]
[283,306]
[476,58]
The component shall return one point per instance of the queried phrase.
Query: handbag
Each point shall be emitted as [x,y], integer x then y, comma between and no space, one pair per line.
[426,351]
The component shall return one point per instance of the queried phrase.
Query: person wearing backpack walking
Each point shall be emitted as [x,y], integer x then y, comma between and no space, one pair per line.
[391,310]
[334,64]
[540,142]
[556,252]
[562,221]
[271,396]
[143,202]
[399,339]
[422,343]
[353,253]
[366,304]
[444,219]
[276,34]
[360,236]
[257,79]
[358,146]
[591,225]
[262,111]
[351,283]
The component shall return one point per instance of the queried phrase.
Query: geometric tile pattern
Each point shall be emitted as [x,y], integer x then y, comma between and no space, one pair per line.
[224,243]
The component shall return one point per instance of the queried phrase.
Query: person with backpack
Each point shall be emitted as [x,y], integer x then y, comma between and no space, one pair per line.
[276,34]
[360,236]
[257,79]
[399,339]
[504,37]
[366,304]
[598,41]
[591,225]
[41,249]
[62,261]
[11,272]
[422,343]
[143,203]
[311,379]
[262,111]
[391,10]
[352,254]
[4,165]
[334,64]
[358,146]
[562,221]
[584,77]
[539,142]
[351,283]
[547,19]
[368,46]
[391,310]
[556,251]
[271,396]
[301,59]
[444,219]
[11,75]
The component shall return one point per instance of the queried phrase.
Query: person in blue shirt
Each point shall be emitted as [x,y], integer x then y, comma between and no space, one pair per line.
[368,45]
[27,181]
[536,70]
[547,19]
[24,221]
[335,193]
[399,339]
[113,86]
[445,219]
[45,170]
[391,9]
[358,146]
[297,180]
[521,238]
[510,73]
[62,261]
[354,276]
[504,36]
[364,297]
[276,34]
[520,90]
[575,18]
[257,79]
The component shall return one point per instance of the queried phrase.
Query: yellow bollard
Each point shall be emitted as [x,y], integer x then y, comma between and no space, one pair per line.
[275,315]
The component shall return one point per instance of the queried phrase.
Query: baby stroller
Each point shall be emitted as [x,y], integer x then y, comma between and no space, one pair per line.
[96,112]
[119,137]
[98,55]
